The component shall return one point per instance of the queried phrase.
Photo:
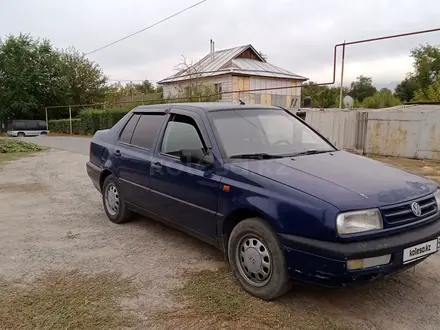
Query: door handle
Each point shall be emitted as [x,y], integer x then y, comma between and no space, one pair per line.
[118,153]
[156,166]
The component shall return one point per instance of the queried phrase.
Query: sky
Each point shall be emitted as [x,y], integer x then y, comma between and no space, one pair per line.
[296,35]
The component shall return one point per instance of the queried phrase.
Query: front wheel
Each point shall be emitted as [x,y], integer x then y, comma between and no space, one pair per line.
[256,259]
[20,134]
[114,203]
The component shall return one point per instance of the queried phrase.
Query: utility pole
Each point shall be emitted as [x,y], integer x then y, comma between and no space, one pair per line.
[342,75]
[47,121]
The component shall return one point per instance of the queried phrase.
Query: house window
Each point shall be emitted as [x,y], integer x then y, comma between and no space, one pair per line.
[218,88]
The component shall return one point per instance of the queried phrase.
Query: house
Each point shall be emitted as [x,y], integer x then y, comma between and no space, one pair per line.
[239,73]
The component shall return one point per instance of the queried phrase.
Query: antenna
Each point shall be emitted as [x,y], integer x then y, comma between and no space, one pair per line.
[348,101]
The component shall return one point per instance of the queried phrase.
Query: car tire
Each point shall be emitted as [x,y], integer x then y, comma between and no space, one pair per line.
[114,203]
[21,134]
[256,259]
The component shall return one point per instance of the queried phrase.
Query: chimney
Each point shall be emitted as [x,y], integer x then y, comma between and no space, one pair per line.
[211,50]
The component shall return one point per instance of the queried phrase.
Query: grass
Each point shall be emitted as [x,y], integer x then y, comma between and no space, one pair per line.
[66,300]
[214,300]
[11,149]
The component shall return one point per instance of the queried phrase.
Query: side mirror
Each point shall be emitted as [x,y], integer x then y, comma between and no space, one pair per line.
[196,156]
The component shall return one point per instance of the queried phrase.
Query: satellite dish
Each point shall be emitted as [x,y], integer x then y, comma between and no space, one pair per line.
[348,101]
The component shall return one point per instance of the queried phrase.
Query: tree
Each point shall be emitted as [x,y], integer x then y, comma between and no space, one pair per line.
[29,76]
[84,81]
[321,96]
[426,70]
[194,88]
[426,64]
[145,87]
[382,99]
[362,88]
[385,90]
[114,92]
[34,75]
[406,89]
[430,94]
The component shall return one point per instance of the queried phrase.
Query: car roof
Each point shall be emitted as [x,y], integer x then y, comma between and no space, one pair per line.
[204,106]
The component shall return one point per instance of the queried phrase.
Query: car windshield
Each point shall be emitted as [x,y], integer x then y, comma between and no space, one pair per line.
[265,133]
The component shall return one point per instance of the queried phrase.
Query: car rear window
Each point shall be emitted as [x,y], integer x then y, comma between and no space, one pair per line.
[146,130]
[128,129]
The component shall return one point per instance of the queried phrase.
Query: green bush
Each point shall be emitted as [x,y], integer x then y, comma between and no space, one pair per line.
[93,120]
[89,121]
[381,100]
[63,126]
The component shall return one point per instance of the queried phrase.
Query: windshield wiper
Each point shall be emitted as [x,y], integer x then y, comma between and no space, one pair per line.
[310,152]
[261,155]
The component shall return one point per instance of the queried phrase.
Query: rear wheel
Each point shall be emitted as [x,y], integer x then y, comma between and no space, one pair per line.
[20,134]
[114,204]
[256,259]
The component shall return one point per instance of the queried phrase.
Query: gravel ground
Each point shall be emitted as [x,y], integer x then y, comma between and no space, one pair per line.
[51,217]
[77,144]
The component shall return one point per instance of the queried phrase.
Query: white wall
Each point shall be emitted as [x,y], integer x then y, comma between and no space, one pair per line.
[173,89]
[259,82]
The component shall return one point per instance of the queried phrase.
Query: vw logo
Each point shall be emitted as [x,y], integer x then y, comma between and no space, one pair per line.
[415,207]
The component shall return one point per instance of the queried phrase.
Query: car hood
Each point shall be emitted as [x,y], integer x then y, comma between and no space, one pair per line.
[346,180]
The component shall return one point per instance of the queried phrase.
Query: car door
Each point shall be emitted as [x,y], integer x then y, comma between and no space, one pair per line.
[133,155]
[185,193]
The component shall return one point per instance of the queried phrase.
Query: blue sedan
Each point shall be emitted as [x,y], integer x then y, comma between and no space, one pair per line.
[276,197]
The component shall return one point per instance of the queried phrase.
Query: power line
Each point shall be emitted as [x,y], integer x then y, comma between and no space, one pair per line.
[146,28]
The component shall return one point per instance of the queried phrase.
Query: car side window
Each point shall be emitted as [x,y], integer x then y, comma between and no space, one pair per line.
[181,133]
[19,125]
[146,130]
[128,130]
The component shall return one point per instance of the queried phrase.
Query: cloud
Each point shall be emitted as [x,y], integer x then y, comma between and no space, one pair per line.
[296,35]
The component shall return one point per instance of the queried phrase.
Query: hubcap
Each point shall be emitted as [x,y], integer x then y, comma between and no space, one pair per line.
[112,199]
[254,261]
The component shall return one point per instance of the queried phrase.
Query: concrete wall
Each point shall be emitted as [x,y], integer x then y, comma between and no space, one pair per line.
[399,132]
[404,134]
[337,126]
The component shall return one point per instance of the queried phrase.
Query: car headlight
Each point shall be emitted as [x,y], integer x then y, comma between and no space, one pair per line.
[358,221]
[437,198]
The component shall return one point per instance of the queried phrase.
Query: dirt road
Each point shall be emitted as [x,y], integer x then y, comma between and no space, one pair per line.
[51,218]
[76,144]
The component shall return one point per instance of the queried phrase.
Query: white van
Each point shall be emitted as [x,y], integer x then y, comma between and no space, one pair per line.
[27,128]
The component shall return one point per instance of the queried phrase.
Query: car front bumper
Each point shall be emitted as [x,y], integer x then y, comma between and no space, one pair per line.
[325,263]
